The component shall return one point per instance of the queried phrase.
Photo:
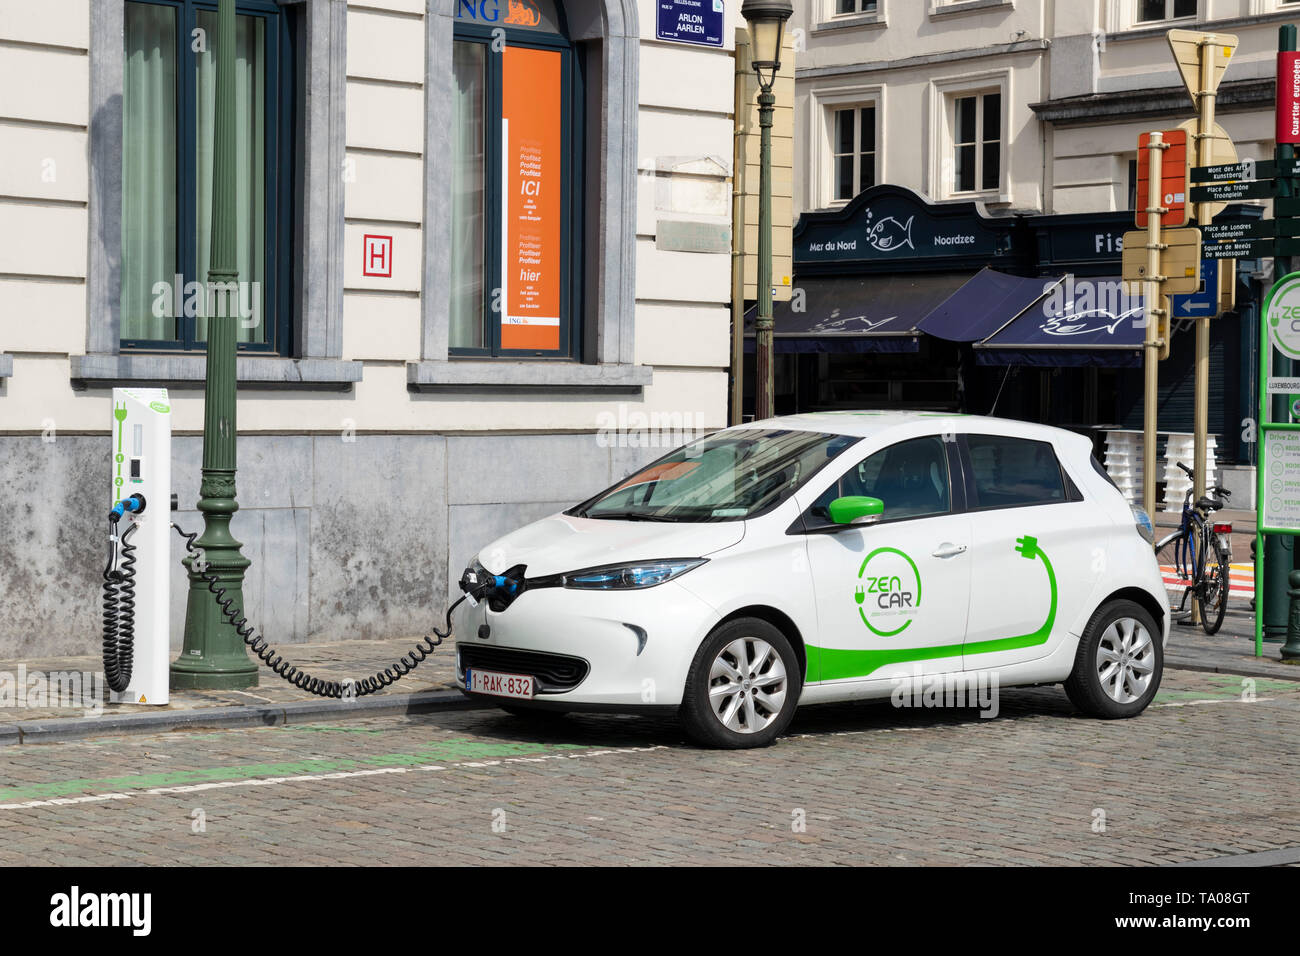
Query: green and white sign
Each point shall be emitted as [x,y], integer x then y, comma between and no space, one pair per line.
[1282,314]
[1280,502]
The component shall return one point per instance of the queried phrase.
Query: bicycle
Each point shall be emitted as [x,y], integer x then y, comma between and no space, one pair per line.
[1200,554]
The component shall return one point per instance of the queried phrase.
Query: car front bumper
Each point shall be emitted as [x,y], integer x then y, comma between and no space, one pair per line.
[636,645]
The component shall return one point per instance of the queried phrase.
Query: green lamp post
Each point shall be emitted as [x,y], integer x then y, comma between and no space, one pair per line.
[766,20]
[213,657]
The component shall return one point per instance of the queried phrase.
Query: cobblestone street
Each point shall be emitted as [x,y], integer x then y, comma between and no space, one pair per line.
[1206,772]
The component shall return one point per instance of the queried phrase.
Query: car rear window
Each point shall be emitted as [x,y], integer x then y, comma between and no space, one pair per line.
[1014,472]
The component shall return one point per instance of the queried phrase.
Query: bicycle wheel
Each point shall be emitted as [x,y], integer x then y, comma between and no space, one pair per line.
[1174,557]
[1215,583]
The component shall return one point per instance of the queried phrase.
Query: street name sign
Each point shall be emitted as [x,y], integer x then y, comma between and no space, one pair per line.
[1234,192]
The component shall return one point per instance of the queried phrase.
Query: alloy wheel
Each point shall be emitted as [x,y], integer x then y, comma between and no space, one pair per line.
[747,685]
[1125,660]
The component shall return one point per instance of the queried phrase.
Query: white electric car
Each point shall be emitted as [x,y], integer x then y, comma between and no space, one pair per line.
[824,557]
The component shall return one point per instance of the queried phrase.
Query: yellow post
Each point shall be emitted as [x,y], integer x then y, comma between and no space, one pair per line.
[1152,306]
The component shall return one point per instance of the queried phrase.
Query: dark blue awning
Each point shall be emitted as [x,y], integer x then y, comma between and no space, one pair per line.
[985,304]
[856,314]
[1081,322]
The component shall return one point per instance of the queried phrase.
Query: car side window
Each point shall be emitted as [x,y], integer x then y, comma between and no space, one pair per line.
[1014,472]
[911,478]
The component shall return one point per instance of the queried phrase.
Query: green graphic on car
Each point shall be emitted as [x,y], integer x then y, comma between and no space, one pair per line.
[832,663]
[884,597]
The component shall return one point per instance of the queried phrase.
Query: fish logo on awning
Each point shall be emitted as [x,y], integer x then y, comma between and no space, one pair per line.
[1096,320]
[888,234]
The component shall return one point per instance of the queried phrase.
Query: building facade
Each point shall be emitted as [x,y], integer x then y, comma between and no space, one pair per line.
[1029,110]
[485,270]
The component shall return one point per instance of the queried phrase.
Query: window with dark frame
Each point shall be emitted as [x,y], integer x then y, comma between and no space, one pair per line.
[168,97]
[843,7]
[977,142]
[853,154]
[516,130]
[1009,472]
[1150,11]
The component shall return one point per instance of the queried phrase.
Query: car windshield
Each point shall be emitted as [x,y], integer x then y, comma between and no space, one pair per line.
[727,476]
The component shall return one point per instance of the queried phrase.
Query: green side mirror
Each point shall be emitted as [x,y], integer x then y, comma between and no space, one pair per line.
[856,509]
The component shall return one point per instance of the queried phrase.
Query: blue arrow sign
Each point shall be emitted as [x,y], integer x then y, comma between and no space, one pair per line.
[1205,302]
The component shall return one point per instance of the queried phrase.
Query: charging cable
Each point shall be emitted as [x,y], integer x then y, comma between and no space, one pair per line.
[297,676]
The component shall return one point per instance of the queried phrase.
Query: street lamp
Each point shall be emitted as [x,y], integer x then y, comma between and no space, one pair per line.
[213,657]
[766,20]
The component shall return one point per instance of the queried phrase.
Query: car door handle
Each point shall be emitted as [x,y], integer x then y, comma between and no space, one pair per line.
[947,550]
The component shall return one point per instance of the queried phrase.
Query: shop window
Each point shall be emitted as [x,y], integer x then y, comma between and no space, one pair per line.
[168,117]
[516,118]
[853,152]
[976,142]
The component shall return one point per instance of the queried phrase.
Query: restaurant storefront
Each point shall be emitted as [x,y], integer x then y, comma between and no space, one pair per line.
[903,303]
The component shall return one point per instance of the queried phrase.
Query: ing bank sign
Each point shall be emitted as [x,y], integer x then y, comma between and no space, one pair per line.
[511,13]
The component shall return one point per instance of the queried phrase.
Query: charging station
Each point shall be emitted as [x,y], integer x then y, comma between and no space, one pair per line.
[141,498]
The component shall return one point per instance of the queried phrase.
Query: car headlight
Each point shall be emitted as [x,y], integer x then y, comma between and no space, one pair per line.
[623,577]
[1144,526]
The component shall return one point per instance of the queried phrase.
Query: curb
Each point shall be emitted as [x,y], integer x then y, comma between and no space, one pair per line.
[1284,672]
[271,715]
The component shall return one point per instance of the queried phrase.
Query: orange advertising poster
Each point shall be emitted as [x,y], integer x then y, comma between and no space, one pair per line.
[532,146]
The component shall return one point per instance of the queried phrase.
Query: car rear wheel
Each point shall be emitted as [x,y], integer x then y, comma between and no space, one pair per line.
[1119,663]
[743,686]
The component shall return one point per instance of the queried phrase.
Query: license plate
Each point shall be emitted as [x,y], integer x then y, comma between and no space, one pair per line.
[499,685]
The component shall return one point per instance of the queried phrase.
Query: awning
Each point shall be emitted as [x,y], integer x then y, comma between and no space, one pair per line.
[856,314]
[1081,322]
[985,304]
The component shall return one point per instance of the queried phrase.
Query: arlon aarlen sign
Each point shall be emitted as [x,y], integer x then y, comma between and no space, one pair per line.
[690,21]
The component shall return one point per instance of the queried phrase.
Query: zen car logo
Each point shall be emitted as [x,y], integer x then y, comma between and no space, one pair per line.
[888,594]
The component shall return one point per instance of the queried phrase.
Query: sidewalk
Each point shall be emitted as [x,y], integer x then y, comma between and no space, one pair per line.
[431,686]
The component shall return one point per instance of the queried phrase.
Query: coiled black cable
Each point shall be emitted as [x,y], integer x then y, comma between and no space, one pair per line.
[291,672]
[119,612]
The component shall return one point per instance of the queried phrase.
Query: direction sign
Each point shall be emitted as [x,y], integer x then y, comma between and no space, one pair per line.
[1203,302]
[1222,152]
[1249,249]
[1234,192]
[1231,172]
[1173,178]
[1186,47]
[1180,260]
[1239,231]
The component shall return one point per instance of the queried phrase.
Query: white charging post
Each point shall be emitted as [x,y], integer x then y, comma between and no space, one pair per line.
[142,463]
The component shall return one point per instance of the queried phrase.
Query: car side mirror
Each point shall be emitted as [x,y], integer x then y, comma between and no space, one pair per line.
[856,509]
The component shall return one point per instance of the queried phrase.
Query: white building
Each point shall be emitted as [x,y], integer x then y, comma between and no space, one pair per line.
[459,289]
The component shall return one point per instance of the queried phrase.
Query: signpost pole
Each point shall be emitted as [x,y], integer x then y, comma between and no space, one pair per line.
[1284,156]
[1151,305]
[1278,554]
[1204,150]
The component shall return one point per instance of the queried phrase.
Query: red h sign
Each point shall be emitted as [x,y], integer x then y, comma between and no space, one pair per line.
[377,256]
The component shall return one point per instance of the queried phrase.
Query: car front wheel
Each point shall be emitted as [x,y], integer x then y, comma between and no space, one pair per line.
[743,686]
[1119,663]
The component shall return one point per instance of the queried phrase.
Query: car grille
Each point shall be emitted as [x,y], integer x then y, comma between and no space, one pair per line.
[554,672]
